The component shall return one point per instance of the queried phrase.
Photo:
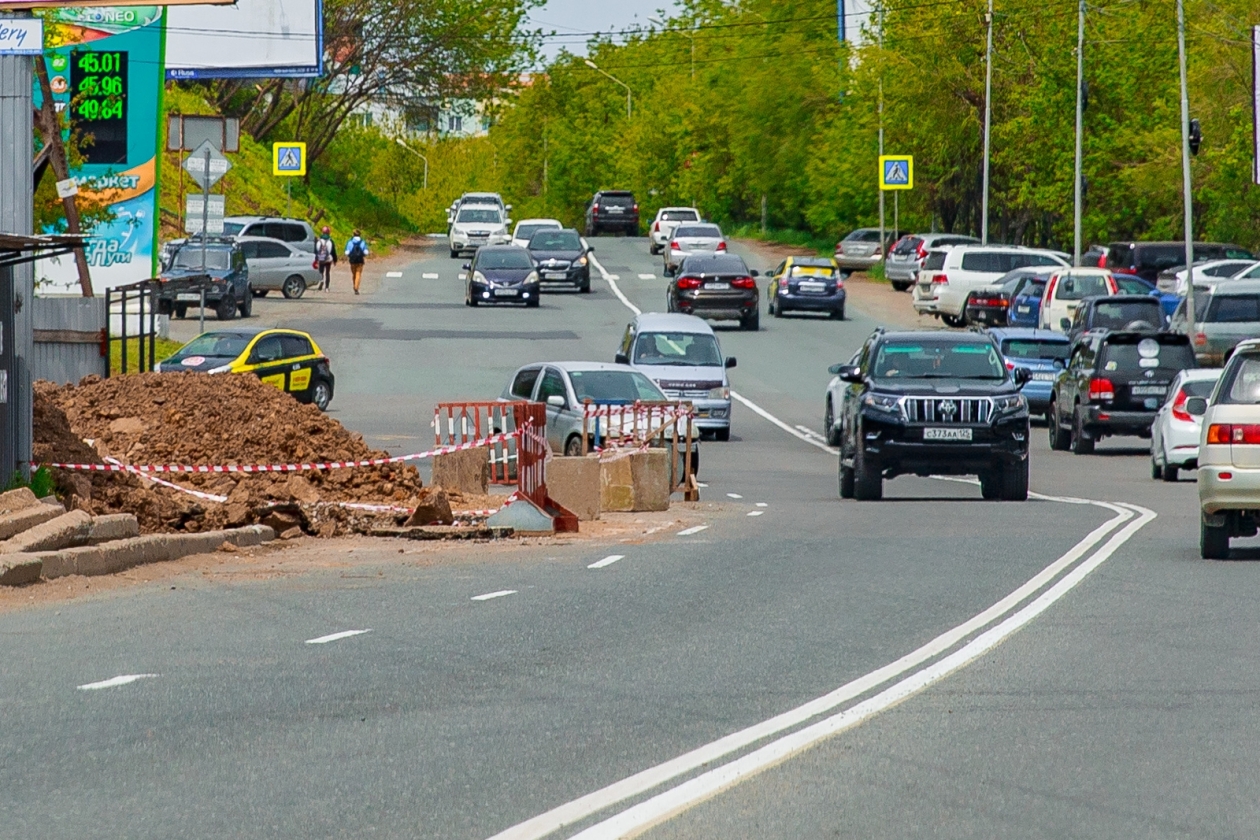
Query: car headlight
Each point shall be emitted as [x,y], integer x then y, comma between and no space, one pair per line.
[478,277]
[1008,404]
[581,260]
[719,393]
[220,369]
[880,403]
[532,278]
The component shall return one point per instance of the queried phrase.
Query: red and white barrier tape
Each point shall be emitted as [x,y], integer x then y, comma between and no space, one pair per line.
[211,497]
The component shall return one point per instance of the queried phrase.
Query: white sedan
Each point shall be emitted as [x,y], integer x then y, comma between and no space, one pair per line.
[526,228]
[1175,432]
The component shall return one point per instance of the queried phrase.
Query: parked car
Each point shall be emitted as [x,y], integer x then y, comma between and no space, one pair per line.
[1175,432]
[716,286]
[949,274]
[1040,352]
[287,359]
[526,228]
[1173,280]
[691,239]
[1025,309]
[562,257]
[1117,312]
[668,218]
[477,225]
[612,210]
[564,388]
[1229,453]
[1223,317]
[908,253]
[861,249]
[806,284]
[1113,384]
[1066,289]
[682,356]
[276,266]
[224,281]
[1148,259]
[929,403]
[295,232]
[987,306]
[501,274]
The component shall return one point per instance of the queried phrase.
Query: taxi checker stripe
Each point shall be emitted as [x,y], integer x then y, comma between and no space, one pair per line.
[261,468]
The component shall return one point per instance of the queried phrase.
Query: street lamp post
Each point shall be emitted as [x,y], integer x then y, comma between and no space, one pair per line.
[629,95]
[1185,163]
[1078,192]
[399,141]
[988,111]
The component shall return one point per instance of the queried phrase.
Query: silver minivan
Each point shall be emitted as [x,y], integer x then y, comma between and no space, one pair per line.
[681,354]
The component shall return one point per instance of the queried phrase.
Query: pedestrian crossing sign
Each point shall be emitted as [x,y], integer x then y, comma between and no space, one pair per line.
[896,172]
[288,158]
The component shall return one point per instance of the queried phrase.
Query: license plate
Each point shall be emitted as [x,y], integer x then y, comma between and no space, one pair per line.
[947,434]
[1149,390]
[507,292]
[554,275]
[615,210]
[717,285]
[1023,310]
[191,298]
[813,288]
[1044,377]
[981,315]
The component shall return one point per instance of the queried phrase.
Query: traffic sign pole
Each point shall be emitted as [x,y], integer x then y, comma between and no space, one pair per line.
[205,226]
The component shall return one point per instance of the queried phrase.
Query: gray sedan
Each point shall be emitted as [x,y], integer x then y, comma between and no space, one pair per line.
[692,239]
[278,266]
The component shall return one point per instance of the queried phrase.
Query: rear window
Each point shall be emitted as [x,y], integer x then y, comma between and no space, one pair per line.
[699,231]
[1000,262]
[1032,348]
[1233,309]
[1159,257]
[679,216]
[813,271]
[730,264]
[614,200]
[1228,269]
[1198,387]
[232,228]
[909,245]
[863,236]
[935,260]
[1117,316]
[1077,288]
[1166,352]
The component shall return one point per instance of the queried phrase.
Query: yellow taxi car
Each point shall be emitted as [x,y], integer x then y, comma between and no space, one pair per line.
[806,284]
[287,359]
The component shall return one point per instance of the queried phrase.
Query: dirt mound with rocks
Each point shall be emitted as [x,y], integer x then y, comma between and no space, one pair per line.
[197,419]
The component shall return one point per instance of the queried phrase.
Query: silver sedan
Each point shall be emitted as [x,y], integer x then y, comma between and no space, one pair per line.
[278,266]
[692,239]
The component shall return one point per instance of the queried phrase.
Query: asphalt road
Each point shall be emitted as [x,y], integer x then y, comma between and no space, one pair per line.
[1114,696]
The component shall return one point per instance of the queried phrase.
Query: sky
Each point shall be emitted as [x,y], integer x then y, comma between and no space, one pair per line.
[570,17]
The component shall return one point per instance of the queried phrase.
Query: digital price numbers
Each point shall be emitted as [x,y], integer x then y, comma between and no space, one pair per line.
[98,101]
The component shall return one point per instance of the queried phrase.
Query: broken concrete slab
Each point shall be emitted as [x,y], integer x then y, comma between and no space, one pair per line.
[524,518]
[433,509]
[12,500]
[112,526]
[443,532]
[467,471]
[64,531]
[575,484]
[20,571]
[120,555]
[17,521]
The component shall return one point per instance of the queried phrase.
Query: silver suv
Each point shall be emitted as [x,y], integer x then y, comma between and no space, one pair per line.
[294,232]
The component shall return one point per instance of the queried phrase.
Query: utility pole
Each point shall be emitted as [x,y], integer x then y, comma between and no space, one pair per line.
[1078,196]
[881,121]
[1185,163]
[988,111]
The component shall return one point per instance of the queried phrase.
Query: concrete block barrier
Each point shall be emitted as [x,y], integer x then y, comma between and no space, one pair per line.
[112,526]
[616,485]
[16,521]
[575,483]
[66,530]
[12,500]
[20,571]
[650,473]
[467,471]
[120,555]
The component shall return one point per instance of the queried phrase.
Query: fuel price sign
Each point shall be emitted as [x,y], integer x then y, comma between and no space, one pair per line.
[98,102]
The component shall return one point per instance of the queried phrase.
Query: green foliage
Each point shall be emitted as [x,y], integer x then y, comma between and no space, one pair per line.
[162,348]
[41,483]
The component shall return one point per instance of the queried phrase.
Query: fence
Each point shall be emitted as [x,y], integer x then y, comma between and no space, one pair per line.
[644,424]
[69,338]
[122,301]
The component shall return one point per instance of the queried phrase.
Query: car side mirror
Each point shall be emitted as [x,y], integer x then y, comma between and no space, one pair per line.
[556,401]
[507,208]
[590,249]
[1065,324]
[847,373]
[1021,376]
[1196,406]
[730,362]
[621,359]
[466,266]
[755,273]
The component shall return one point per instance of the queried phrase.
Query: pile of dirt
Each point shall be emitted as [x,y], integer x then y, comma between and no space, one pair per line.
[199,419]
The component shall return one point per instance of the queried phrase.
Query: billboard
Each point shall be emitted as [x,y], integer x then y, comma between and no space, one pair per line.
[105,65]
[253,38]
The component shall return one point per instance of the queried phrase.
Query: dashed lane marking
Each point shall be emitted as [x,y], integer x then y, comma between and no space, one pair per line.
[336,637]
[114,682]
[734,495]
[762,504]
[492,595]
[647,276]
[607,561]
[428,275]
[393,274]
[695,529]
[755,512]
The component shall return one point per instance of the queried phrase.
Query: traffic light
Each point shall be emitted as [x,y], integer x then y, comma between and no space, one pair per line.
[1196,137]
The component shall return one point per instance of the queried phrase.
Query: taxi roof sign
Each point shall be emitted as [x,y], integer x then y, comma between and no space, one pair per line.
[896,172]
[288,158]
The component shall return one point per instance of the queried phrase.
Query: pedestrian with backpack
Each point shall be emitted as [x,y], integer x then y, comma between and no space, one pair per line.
[325,258]
[356,253]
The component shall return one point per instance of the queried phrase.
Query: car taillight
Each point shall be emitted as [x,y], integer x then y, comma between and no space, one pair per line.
[1179,406]
[743,283]
[921,253]
[1200,339]
[1010,365]
[940,279]
[1240,433]
[1124,271]
[988,301]
[595,210]
[634,209]
[721,246]
[1101,389]
[674,246]
[656,227]
[1102,261]
[688,282]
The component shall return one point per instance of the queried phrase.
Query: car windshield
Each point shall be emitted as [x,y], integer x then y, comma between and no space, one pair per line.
[619,386]
[526,232]
[227,345]
[672,348]
[1035,348]
[232,228]
[938,360]
[1117,316]
[507,258]
[556,240]
[1078,288]
[479,216]
[1233,309]
[679,216]
[699,231]
[190,257]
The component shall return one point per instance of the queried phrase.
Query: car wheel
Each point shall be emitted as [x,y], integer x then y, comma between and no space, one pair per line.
[533,303]
[1157,472]
[838,314]
[573,447]
[722,434]
[830,432]
[321,394]
[773,310]
[751,322]
[1213,540]
[181,310]
[991,484]
[901,285]
[1015,482]
[246,307]
[1081,445]
[955,321]
[868,484]
[654,250]
[585,288]
[260,292]
[1059,439]
[846,482]
[1171,473]
[225,309]
[454,253]
[294,286]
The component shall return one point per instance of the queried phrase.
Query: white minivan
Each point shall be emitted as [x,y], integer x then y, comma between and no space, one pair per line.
[949,274]
[1066,289]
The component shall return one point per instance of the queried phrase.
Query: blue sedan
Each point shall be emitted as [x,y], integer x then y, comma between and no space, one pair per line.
[1043,353]
[1028,284]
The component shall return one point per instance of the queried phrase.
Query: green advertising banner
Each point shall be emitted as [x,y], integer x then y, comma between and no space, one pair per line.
[105,66]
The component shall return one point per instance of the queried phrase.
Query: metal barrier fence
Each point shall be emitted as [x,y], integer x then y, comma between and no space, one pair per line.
[648,424]
[141,296]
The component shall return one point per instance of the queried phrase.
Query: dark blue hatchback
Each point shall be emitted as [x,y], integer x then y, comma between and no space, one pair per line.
[1043,353]
[501,274]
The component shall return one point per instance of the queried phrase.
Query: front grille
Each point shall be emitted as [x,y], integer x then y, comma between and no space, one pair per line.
[948,410]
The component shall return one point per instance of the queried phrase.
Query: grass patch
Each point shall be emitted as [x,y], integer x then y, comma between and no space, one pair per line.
[41,482]
[821,245]
[163,347]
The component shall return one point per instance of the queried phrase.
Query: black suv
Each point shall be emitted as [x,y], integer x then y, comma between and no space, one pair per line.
[1114,312]
[225,280]
[928,403]
[1113,384]
[614,210]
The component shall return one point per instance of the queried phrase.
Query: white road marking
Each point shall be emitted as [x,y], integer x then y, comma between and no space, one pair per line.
[647,276]
[653,777]
[393,274]
[735,495]
[701,484]
[784,426]
[611,280]
[607,561]
[755,512]
[687,532]
[762,504]
[807,430]
[614,276]
[429,275]
[489,595]
[114,682]
[334,637]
